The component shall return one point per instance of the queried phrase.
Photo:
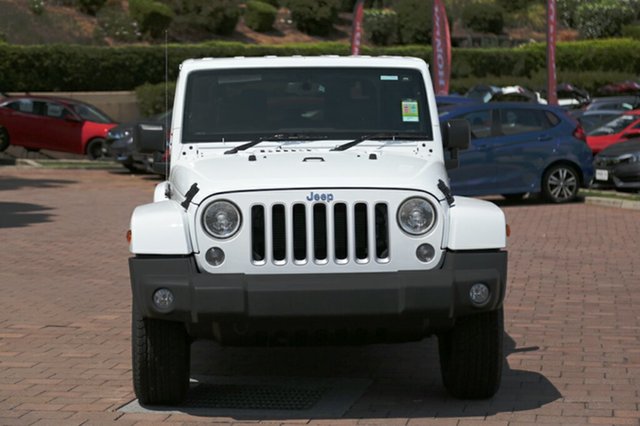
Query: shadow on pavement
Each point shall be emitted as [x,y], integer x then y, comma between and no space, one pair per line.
[404,380]
[17,215]
[14,152]
[12,183]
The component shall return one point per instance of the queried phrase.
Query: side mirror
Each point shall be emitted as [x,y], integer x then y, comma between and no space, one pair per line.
[456,135]
[149,138]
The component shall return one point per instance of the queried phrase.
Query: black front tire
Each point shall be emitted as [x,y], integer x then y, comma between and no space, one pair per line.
[96,149]
[4,139]
[471,356]
[560,184]
[161,360]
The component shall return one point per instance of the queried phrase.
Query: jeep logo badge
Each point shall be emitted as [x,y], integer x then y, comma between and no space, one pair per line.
[328,197]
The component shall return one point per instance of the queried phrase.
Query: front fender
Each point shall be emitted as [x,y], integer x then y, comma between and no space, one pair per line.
[476,225]
[160,228]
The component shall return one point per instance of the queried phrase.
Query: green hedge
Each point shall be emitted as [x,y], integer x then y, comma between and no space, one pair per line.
[590,81]
[155,98]
[86,68]
[631,31]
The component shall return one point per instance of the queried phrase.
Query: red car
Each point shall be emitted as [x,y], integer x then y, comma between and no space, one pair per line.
[37,122]
[625,127]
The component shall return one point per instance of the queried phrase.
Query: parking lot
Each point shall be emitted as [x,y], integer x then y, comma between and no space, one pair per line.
[571,312]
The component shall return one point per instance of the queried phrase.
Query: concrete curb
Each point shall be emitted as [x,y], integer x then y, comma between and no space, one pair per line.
[27,162]
[68,164]
[613,202]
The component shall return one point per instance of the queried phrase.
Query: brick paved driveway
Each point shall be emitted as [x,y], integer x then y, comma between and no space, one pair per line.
[572,321]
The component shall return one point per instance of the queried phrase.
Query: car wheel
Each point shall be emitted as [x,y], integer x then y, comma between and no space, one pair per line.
[471,355]
[96,149]
[4,139]
[161,356]
[560,183]
[514,197]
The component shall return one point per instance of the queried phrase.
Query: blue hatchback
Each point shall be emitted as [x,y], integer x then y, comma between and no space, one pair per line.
[520,148]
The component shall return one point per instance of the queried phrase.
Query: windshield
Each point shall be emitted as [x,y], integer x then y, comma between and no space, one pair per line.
[89,113]
[334,103]
[615,126]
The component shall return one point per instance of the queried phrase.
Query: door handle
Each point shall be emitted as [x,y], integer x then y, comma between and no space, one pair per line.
[544,138]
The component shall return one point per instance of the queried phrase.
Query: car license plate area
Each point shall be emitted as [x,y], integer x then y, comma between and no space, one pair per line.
[602,175]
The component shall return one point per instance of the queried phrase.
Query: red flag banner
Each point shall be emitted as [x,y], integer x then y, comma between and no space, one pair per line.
[356,30]
[441,44]
[552,95]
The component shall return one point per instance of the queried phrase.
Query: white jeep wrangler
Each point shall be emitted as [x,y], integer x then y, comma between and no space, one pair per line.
[307,204]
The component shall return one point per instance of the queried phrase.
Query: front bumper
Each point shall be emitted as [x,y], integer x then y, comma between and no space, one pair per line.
[620,176]
[430,297]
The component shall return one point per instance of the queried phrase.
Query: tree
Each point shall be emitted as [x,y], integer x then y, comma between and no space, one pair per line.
[603,18]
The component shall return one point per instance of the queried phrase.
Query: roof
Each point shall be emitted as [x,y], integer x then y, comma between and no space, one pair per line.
[305,61]
[46,98]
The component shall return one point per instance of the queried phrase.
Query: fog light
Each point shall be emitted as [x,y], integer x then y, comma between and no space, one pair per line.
[479,294]
[163,299]
[425,252]
[215,256]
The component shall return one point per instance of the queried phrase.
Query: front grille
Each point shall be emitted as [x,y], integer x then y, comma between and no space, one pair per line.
[320,233]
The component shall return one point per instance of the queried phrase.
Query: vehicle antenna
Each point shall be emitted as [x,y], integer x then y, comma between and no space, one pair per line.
[166,103]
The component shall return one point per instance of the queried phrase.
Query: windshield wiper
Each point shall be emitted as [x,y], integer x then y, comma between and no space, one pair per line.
[274,137]
[383,135]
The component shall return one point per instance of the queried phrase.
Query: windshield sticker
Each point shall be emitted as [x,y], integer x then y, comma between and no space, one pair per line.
[389,77]
[410,111]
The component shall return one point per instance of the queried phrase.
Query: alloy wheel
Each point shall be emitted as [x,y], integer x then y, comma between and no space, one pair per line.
[562,184]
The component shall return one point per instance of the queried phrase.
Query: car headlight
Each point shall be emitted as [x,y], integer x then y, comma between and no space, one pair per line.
[416,216]
[118,134]
[221,219]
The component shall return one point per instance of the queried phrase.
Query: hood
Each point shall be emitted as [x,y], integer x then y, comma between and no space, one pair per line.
[296,170]
[621,148]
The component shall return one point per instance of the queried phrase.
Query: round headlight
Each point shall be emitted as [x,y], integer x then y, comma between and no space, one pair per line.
[221,219]
[416,216]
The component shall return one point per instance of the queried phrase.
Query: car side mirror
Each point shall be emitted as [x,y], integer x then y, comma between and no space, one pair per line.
[456,135]
[149,138]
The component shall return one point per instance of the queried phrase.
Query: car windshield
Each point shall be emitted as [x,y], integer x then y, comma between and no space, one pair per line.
[333,103]
[615,126]
[90,113]
[479,95]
